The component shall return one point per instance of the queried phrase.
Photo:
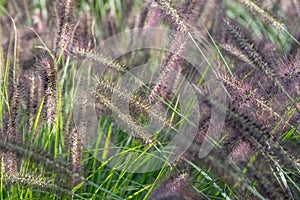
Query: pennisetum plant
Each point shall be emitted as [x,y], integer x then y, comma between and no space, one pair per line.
[258,66]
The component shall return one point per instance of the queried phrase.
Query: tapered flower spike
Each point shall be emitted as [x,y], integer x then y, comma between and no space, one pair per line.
[174,188]
[30,181]
[14,102]
[262,13]
[250,50]
[231,49]
[35,155]
[84,36]
[65,20]
[99,58]
[49,75]
[171,62]
[169,9]
[75,156]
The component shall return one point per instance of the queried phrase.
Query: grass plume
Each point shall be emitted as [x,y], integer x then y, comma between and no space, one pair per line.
[44,133]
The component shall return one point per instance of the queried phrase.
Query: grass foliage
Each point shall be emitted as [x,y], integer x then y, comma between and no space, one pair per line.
[256,59]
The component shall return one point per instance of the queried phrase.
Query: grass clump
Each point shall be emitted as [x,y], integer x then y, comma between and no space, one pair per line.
[48,149]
